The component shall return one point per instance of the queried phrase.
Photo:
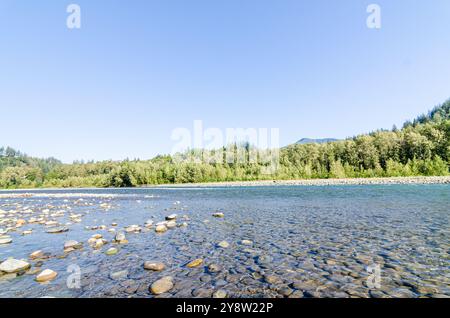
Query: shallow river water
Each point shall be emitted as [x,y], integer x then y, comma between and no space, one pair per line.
[284,241]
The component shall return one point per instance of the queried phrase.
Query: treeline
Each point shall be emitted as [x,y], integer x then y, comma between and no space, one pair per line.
[420,148]
[19,170]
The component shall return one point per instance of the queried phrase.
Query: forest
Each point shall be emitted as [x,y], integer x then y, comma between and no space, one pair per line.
[420,148]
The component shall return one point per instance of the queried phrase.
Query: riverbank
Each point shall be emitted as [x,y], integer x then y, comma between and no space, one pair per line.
[318,182]
[265,183]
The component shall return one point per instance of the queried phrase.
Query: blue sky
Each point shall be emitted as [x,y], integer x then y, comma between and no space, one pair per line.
[136,70]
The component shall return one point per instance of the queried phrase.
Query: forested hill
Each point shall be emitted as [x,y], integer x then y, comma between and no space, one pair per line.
[420,147]
[14,161]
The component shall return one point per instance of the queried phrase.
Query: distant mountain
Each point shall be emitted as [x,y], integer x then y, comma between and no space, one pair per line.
[315,141]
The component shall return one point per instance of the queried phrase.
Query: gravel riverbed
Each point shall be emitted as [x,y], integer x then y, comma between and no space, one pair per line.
[381,240]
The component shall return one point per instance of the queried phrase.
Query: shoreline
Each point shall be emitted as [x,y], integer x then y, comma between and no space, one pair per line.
[314,182]
[266,183]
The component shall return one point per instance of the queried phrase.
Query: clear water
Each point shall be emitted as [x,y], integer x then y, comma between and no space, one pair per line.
[307,242]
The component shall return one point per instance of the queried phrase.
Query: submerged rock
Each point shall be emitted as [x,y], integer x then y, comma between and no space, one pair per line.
[214,268]
[160,228]
[118,275]
[120,238]
[171,224]
[154,266]
[220,294]
[72,244]
[224,244]
[171,217]
[56,230]
[5,240]
[162,285]
[12,265]
[112,251]
[246,242]
[37,254]
[46,275]
[195,263]
[133,229]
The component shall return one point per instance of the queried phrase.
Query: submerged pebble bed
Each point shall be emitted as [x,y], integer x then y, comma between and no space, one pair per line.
[281,241]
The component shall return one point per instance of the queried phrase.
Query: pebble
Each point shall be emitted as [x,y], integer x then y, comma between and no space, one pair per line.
[56,230]
[246,242]
[218,215]
[171,224]
[162,285]
[12,265]
[37,254]
[271,279]
[286,291]
[120,238]
[224,244]
[98,243]
[214,268]
[20,222]
[133,229]
[112,251]
[118,275]
[160,228]
[195,263]
[5,240]
[72,244]
[46,275]
[220,294]
[154,266]
[171,217]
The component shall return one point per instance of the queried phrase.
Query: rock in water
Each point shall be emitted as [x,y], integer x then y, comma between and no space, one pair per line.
[195,263]
[46,275]
[218,215]
[98,244]
[20,222]
[111,251]
[5,240]
[120,238]
[214,268]
[224,244]
[220,294]
[162,285]
[154,266]
[37,254]
[72,244]
[171,217]
[160,228]
[12,265]
[133,229]
[171,224]
[246,242]
[56,230]
[118,275]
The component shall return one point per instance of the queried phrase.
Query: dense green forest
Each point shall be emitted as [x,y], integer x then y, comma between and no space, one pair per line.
[420,148]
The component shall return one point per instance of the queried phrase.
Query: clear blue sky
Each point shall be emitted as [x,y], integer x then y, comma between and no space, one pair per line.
[136,70]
